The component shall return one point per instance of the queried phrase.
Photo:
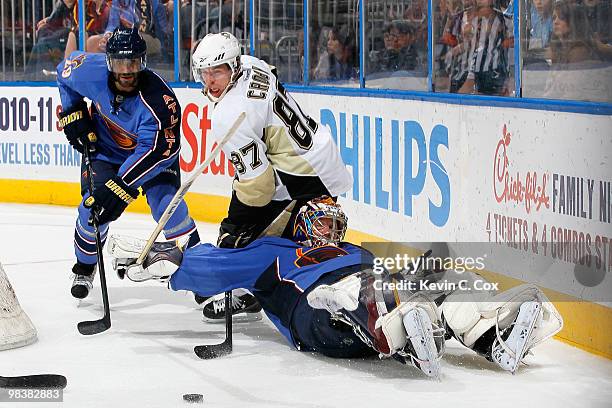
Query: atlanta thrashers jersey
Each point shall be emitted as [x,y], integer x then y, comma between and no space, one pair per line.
[277,270]
[140,132]
[279,152]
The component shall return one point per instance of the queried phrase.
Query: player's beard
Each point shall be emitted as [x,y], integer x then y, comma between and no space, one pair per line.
[126,82]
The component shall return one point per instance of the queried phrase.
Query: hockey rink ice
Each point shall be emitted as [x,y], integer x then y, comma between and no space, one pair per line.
[146,359]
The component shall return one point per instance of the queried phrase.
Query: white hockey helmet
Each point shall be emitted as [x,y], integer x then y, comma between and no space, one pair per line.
[214,50]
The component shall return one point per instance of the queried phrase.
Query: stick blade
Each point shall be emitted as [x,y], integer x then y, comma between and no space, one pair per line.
[87,328]
[207,352]
[34,381]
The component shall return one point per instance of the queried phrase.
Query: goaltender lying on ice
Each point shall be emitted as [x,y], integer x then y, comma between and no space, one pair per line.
[321,294]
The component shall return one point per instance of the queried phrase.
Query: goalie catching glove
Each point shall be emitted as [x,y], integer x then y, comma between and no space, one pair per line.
[161,262]
[78,127]
[110,200]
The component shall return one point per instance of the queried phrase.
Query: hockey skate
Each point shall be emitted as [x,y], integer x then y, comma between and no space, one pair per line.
[245,307]
[82,283]
[504,327]
[508,353]
[161,262]
[421,347]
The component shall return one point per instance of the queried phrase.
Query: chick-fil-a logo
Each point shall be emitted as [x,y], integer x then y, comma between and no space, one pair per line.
[511,188]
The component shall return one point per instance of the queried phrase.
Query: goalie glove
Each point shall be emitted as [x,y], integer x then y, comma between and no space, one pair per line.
[78,127]
[163,259]
[110,200]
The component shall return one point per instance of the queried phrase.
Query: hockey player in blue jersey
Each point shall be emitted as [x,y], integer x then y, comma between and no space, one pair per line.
[324,295]
[135,118]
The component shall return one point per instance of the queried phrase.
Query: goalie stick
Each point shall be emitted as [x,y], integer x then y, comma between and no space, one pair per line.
[180,193]
[209,351]
[96,326]
[34,381]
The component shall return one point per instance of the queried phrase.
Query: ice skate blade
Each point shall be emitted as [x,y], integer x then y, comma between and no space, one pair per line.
[237,318]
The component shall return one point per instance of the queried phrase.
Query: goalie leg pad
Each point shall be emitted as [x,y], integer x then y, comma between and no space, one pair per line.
[378,314]
[413,330]
[462,314]
[470,317]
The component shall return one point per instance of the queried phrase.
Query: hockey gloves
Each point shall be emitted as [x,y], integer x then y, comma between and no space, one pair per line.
[78,127]
[234,236]
[110,200]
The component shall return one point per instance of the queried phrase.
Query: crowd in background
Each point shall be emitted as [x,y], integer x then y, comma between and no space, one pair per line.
[566,44]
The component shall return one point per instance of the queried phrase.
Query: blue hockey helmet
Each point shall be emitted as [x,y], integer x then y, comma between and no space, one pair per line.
[320,222]
[126,51]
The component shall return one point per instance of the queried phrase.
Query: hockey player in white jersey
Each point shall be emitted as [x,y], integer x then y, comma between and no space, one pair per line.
[280,154]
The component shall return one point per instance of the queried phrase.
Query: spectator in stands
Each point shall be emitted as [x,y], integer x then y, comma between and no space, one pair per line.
[572,38]
[399,53]
[576,69]
[150,16]
[540,24]
[51,38]
[599,18]
[96,17]
[232,9]
[443,17]
[185,11]
[339,61]
[458,35]
[488,60]
[416,16]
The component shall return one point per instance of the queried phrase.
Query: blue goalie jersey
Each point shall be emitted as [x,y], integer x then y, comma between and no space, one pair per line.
[139,131]
[278,272]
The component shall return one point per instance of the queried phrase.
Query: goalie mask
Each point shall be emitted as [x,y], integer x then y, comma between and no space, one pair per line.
[320,222]
[215,54]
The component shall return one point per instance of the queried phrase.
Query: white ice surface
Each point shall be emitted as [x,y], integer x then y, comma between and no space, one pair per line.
[146,358]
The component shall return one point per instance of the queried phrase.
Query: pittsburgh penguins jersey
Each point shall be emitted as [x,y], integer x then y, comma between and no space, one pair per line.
[279,152]
[138,131]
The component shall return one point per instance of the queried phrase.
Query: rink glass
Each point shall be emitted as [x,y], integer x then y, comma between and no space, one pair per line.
[575,65]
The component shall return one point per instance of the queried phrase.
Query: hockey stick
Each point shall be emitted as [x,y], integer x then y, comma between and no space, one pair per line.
[96,326]
[210,351]
[206,352]
[176,200]
[34,381]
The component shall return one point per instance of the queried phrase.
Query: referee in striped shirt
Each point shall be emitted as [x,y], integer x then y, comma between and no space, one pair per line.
[488,56]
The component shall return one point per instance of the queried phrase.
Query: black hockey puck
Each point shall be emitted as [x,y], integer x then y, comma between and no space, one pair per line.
[193,398]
